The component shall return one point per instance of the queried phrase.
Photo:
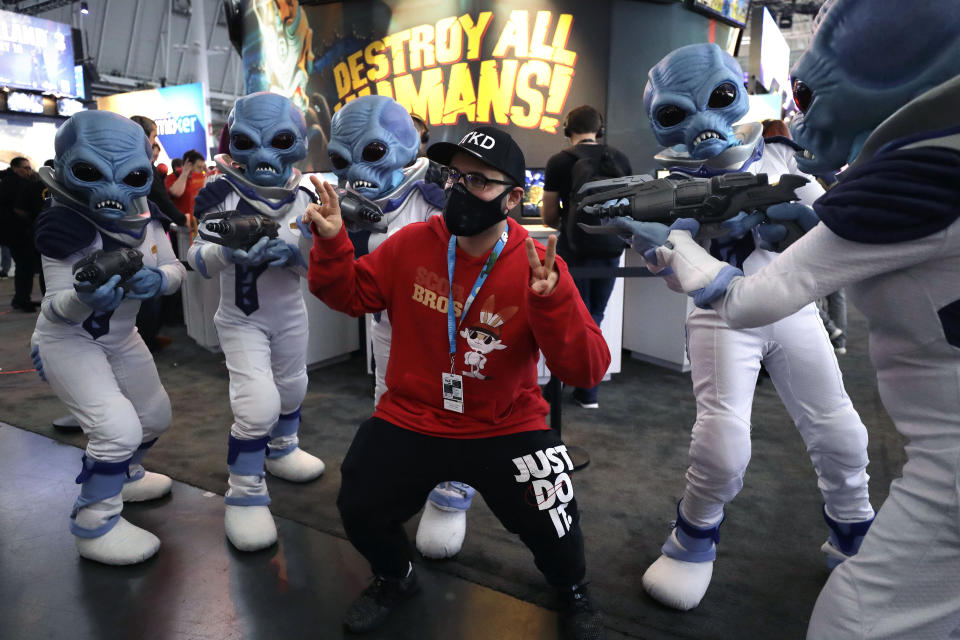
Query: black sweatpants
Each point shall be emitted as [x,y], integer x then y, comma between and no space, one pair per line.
[524,479]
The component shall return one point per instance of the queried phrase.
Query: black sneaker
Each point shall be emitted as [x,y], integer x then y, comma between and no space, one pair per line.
[371,608]
[579,619]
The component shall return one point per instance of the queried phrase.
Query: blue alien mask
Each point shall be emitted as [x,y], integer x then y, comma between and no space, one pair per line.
[862,66]
[267,135]
[693,96]
[103,170]
[372,138]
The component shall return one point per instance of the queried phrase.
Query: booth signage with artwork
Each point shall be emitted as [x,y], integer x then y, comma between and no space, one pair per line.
[37,55]
[517,65]
[178,111]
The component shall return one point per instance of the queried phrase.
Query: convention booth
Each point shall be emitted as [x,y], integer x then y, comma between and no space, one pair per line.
[521,66]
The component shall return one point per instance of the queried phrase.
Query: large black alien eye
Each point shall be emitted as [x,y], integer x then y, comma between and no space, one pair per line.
[137,178]
[283,140]
[338,161]
[802,95]
[86,172]
[241,142]
[374,151]
[722,96]
[670,115]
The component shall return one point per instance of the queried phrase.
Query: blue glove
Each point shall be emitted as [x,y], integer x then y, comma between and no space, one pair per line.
[146,283]
[786,223]
[282,254]
[741,224]
[645,236]
[106,297]
[37,362]
[252,257]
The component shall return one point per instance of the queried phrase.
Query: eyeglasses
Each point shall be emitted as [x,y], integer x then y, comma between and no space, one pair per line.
[474,181]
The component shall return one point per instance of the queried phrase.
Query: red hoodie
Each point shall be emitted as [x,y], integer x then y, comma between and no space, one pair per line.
[507,326]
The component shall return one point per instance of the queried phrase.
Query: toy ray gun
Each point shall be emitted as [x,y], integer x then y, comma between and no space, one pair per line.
[236,230]
[710,201]
[359,212]
[94,270]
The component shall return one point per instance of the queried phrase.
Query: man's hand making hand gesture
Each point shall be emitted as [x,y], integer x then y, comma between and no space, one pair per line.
[326,215]
[543,275]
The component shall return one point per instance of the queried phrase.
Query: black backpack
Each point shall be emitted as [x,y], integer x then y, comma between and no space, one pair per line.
[587,168]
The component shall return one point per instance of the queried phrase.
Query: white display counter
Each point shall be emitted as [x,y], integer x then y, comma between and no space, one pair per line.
[654,320]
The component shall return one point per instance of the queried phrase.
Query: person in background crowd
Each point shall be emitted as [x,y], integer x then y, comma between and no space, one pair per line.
[583,126]
[158,194]
[16,227]
[184,185]
[423,131]
[156,152]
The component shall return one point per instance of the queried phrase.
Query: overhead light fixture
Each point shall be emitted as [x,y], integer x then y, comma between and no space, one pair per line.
[84,9]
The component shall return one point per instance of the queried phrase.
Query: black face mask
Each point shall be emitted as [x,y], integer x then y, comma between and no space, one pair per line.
[468,215]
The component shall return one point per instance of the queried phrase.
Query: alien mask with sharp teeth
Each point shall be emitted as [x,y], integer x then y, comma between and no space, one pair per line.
[267,136]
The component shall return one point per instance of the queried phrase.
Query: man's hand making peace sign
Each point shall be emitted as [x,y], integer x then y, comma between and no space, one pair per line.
[543,275]
[326,215]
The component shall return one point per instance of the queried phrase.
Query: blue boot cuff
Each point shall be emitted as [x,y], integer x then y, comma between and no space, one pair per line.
[453,495]
[696,544]
[245,457]
[287,425]
[99,480]
[847,536]
[80,532]
[141,452]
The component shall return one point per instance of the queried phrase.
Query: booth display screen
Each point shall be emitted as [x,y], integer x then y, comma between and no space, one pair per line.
[734,11]
[532,193]
[36,54]
[25,102]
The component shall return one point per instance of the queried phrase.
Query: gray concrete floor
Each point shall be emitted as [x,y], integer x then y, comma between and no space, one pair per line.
[198,586]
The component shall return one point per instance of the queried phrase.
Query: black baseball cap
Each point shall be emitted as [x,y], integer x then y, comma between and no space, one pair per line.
[490,145]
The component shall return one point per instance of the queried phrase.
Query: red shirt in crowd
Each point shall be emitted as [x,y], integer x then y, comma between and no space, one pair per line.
[498,343]
[195,182]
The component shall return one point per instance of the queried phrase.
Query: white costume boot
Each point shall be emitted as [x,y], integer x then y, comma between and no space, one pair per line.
[285,458]
[101,534]
[443,523]
[142,485]
[247,520]
[679,578]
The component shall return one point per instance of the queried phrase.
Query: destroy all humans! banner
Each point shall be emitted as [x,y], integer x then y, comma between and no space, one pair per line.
[517,65]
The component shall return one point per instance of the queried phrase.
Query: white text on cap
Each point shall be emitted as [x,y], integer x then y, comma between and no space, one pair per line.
[481,140]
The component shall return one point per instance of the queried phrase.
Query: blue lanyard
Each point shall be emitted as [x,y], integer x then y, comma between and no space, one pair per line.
[481,278]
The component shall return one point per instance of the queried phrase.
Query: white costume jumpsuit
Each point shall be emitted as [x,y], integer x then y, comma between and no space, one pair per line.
[797,353]
[100,368]
[262,326]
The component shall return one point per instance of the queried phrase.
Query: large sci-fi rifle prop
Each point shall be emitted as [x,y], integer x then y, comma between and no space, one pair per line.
[710,201]
[236,230]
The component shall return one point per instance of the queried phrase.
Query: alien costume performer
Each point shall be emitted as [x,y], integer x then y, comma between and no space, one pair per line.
[693,97]
[890,234]
[261,320]
[86,344]
[372,145]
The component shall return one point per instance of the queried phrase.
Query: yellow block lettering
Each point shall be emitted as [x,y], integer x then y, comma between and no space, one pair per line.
[538,41]
[540,71]
[514,35]
[341,76]
[395,42]
[418,293]
[560,83]
[384,88]
[475,32]
[356,68]
[496,90]
[460,96]
[442,302]
[560,53]
[374,57]
[421,47]
[449,40]
[428,100]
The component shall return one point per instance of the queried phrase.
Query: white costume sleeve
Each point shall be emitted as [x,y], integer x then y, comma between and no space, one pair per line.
[207,257]
[816,265]
[61,304]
